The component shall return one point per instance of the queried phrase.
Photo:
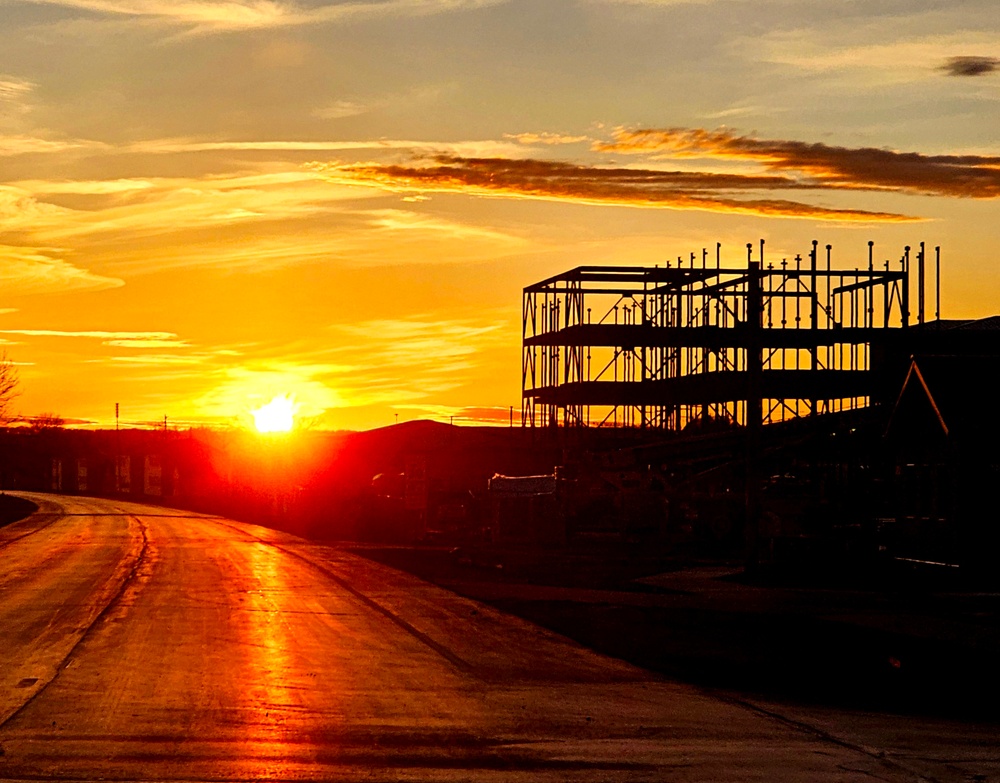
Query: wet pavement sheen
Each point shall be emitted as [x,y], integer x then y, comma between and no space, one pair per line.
[140,643]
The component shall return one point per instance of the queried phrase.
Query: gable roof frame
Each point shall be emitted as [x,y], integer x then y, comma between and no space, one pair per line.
[914,372]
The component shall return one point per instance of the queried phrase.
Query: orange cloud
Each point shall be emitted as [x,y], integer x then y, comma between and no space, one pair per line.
[824,166]
[552,180]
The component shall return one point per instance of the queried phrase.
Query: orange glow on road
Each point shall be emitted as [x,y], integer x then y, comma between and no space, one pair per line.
[277,416]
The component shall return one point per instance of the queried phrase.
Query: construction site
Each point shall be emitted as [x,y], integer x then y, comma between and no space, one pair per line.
[695,341]
[794,407]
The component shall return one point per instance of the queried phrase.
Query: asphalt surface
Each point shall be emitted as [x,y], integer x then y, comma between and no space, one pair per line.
[139,643]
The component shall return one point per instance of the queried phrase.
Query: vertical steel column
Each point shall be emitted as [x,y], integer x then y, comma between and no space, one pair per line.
[920,284]
[754,414]
[904,302]
[937,282]
[814,327]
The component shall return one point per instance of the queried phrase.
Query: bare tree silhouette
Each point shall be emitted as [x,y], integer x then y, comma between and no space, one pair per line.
[46,421]
[9,383]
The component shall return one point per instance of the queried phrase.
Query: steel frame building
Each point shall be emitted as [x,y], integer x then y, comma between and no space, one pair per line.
[664,347]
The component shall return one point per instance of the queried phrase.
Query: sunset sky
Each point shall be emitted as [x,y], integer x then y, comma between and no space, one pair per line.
[204,204]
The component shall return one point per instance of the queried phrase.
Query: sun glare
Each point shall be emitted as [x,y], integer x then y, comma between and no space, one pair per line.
[277,416]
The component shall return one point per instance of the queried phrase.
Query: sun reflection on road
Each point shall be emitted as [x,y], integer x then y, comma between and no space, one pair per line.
[271,694]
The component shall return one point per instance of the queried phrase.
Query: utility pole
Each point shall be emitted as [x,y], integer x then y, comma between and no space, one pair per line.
[118,454]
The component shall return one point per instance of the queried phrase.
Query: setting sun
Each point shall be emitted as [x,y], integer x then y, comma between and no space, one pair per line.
[277,416]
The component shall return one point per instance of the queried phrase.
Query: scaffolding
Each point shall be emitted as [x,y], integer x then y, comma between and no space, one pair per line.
[697,342]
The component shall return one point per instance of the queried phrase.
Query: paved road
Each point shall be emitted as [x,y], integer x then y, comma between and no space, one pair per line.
[140,643]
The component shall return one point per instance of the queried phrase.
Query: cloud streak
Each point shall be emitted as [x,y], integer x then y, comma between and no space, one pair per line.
[139,208]
[889,52]
[218,16]
[14,89]
[414,357]
[550,139]
[560,181]
[25,270]
[186,145]
[822,165]
[131,226]
[120,339]
[13,144]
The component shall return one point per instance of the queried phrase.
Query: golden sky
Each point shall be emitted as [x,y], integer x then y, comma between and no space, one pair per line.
[209,203]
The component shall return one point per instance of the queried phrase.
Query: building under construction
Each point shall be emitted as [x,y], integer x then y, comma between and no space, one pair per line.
[698,341]
[693,358]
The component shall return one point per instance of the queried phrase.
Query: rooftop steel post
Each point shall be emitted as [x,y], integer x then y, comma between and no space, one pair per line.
[754,413]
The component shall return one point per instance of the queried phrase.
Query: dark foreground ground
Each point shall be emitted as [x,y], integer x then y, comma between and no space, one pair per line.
[151,644]
[13,508]
[891,640]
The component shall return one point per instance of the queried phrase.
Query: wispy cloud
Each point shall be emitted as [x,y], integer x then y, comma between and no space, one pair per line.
[425,97]
[546,138]
[216,16]
[146,343]
[971,65]
[414,357]
[33,271]
[423,342]
[152,224]
[822,165]
[736,111]
[560,181]
[13,89]
[14,144]
[155,360]
[22,144]
[217,357]
[400,220]
[171,146]
[187,145]
[131,339]
[20,209]
[85,187]
[883,56]
[338,110]
[154,207]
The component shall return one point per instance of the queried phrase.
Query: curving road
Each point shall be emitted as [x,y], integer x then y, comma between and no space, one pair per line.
[139,643]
